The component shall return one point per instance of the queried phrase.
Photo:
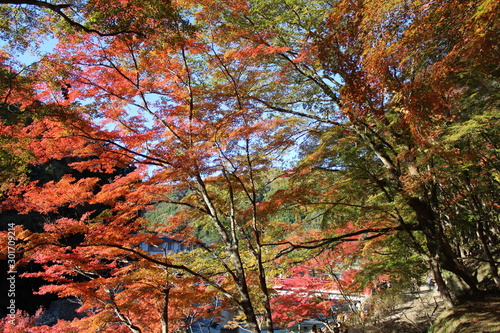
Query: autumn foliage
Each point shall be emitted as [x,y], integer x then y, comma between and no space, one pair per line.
[329,143]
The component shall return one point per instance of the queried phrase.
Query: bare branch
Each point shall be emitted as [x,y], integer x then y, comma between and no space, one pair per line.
[58,9]
[367,234]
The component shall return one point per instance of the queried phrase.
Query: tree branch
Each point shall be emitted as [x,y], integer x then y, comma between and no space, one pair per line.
[314,244]
[57,8]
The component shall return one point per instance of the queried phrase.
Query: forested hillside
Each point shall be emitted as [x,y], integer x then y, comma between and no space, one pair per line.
[350,146]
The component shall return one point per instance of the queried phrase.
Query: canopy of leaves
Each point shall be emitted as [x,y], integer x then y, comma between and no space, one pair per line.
[392,109]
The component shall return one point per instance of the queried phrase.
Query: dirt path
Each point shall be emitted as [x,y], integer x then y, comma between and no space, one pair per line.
[413,312]
[423,311]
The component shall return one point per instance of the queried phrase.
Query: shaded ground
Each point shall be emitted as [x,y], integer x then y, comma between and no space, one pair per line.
[479,316]
[422,311]
[412,312]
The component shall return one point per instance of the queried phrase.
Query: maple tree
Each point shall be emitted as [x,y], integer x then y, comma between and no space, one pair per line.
[23,323]
[394,107]
[189,143]
[15,88]
[320,287]
[385,129]
[26,21]
[413,152]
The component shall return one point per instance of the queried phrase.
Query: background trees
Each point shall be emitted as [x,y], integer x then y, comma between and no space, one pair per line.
[390,109]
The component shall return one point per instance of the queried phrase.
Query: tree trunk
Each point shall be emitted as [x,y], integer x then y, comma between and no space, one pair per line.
[251,318]
[438,245]
[487,253]
[267,300]
[441,284]
[245,302]
[164,314]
